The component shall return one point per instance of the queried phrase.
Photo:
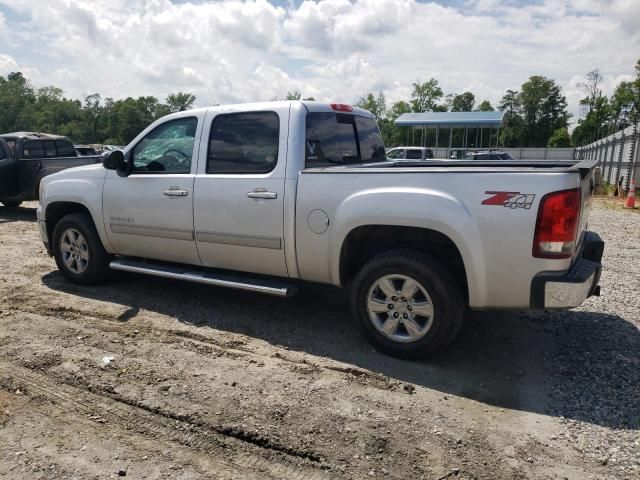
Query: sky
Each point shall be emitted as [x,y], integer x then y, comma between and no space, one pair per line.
[230,51]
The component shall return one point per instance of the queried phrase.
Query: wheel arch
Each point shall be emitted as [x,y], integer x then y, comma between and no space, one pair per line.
[55,211]
[367,241]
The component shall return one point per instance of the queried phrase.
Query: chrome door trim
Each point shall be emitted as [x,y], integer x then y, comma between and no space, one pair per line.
[171,233]
[272,243]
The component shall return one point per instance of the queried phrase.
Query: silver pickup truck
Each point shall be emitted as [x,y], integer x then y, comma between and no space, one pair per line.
[267,196]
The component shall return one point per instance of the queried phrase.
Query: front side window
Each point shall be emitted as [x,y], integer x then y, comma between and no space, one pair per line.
[32,149]
[395,153]
[244,143]
[168,148]
[342,139]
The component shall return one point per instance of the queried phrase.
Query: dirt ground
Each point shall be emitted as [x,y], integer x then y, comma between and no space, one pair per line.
[147,378]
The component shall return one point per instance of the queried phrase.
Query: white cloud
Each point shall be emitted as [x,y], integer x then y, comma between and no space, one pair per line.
[232,50]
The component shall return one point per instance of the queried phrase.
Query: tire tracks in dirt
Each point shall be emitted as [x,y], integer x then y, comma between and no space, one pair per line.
[232,443]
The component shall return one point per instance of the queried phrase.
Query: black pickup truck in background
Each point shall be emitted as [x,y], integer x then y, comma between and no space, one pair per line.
[26,158]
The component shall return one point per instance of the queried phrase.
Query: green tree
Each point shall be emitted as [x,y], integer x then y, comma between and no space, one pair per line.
[392,134]
[543,110]
[485,106]
[559,139]
[425,95]
[463,102]
[179,102]
[376,105]
[296,95]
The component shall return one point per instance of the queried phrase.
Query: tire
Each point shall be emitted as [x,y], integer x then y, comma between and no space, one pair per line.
[426,322]
[11,203]
[91,265]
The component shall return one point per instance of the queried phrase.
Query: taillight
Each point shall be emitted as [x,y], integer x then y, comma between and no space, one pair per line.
[557,224]
[341,107]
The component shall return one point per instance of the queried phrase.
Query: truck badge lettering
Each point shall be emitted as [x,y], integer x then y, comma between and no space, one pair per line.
[510,199]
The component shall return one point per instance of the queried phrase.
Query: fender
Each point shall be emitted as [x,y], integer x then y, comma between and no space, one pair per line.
[413,207]
[85,189]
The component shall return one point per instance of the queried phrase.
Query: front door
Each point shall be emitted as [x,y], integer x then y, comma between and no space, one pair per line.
[149,213]
[239,191]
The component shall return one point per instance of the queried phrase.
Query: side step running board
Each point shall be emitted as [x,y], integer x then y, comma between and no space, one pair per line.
[270,287]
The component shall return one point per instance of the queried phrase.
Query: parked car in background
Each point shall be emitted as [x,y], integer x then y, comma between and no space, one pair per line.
[85,150]
[487,155]
[27,157]
[410,153]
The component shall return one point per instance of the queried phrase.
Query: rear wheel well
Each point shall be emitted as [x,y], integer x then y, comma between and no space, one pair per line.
[364,243]
[55,211]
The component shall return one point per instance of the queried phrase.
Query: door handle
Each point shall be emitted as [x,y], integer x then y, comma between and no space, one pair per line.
[175,192]
[262,194]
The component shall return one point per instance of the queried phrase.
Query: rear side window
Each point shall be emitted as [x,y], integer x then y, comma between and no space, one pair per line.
[244,143]
[342,139]
[49,148]
[65,148]
[414,154]
[3,155]
[32,149]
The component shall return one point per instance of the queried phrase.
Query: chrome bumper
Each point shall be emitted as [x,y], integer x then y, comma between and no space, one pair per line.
[552,290]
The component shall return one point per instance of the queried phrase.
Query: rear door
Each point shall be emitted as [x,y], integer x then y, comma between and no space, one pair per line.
[8,172]
[239,191]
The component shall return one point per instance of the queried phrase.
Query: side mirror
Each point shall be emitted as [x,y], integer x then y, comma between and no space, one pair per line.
[114,160]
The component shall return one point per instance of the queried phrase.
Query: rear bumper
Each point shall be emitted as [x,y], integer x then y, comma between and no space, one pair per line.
[553,290]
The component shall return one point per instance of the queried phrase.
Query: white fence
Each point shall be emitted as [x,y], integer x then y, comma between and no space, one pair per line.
[617,156]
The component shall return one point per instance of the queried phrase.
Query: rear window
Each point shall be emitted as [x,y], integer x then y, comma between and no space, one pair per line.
[342,139]
[32,149]
[65,148]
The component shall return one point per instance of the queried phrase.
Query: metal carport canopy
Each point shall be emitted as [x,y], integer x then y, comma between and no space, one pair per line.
[452,119]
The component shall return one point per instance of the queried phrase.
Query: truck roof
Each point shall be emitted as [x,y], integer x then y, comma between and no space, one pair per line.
[311,106]
[32,136]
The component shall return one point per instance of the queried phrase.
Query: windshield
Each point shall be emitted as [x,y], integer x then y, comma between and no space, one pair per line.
[342,139]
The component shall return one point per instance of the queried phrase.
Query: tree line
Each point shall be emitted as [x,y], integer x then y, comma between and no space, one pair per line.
[93,120]
[536,114]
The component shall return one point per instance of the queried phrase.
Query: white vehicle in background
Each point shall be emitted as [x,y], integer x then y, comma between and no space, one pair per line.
[410,153]
[265,196]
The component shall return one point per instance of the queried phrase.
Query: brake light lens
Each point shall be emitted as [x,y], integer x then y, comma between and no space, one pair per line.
[341,107]
[557,224]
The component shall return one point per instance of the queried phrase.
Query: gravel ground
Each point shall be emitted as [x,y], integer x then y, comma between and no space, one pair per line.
[148,378]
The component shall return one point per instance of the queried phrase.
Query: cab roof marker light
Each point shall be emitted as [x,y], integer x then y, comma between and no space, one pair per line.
[341,107]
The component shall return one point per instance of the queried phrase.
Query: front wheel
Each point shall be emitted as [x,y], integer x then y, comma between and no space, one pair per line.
[78,250]
[11,203]
[407,304]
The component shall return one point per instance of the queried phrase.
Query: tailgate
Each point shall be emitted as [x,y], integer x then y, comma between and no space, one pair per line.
[587,185]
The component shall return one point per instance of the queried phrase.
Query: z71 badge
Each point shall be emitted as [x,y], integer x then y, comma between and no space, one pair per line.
[510,199]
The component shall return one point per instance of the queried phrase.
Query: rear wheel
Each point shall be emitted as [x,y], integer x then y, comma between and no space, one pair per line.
[11,203]
[407,304]
[78,250]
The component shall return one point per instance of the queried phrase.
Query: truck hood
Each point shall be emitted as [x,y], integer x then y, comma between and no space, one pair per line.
[95,170]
